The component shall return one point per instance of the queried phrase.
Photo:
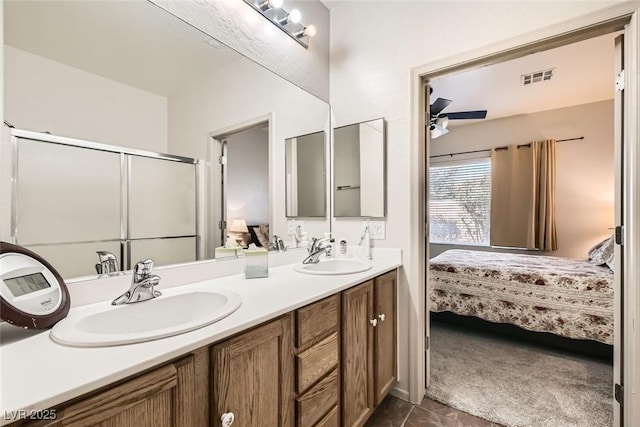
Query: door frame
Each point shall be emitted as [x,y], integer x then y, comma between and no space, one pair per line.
[621,16]
[214,171]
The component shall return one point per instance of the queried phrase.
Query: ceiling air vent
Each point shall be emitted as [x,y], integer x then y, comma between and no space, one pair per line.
[537,77]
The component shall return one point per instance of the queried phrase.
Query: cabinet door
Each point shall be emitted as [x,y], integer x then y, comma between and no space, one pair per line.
[163,397]
[357,354]
[253,376]
[385,353]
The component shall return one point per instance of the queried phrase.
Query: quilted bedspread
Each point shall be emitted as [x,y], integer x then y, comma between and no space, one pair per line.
[567,297]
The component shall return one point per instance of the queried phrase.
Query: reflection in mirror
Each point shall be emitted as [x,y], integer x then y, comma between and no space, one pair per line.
[245,185]
[133,77]
[359,156]
[305,175]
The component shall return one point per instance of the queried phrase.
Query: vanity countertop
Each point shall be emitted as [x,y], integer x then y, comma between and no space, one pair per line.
[38,374]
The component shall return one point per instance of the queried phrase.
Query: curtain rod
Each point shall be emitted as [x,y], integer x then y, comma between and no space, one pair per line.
[499,148]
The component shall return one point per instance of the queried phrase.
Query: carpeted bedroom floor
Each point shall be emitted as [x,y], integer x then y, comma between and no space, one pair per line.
[518,384]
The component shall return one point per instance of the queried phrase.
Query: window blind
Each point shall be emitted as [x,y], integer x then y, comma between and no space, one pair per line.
[459,202]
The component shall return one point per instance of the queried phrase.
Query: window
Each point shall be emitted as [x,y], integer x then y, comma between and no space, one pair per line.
[459,201]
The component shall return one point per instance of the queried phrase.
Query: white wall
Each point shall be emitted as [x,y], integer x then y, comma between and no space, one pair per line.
[240,27]
[241,92]
[248,176]
[374,46]
[585,168]
[44,95]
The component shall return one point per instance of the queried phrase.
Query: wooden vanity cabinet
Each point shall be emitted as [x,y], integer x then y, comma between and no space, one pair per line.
[162,397]
[252,376]
[369,355]
[385,354]
[327,364]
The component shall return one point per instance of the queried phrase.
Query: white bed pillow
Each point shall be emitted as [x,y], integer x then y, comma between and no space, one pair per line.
[262,233]
[602,253]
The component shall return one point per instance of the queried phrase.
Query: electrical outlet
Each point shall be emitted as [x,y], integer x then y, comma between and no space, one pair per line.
[377,229]
[292,224]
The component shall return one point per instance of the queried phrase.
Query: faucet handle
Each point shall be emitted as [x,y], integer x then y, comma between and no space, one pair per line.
[108,262]
[314,243]
[143,268]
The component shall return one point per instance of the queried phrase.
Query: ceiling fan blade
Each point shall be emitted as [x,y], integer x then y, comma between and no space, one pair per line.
[466,115]
[439,105]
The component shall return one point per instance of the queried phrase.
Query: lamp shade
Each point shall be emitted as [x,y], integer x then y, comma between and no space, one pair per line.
[239,226]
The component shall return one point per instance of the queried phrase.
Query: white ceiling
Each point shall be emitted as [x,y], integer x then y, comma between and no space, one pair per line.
[583,73]
[132,42]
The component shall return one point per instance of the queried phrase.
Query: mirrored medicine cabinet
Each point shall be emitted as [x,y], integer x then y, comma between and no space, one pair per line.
[359,156]
[305,175]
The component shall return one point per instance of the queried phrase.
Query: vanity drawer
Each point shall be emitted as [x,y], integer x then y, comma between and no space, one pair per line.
[311,406]
[316,361]
[316,321]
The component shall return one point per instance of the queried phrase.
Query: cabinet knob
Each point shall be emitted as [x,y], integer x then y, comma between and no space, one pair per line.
[227,419]
[381,317]
[374,322]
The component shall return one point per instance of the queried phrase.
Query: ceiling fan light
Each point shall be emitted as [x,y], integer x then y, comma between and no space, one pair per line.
[443,122]
[437,131]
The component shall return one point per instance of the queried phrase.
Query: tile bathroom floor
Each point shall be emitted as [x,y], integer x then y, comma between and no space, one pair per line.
[394,412]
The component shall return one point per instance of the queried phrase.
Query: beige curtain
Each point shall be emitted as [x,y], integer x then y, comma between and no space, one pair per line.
[523,196]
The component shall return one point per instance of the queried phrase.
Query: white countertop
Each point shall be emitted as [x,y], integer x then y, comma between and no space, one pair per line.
[37,373]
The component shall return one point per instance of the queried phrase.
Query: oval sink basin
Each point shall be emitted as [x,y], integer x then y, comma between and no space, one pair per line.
[334,266]
[161,317]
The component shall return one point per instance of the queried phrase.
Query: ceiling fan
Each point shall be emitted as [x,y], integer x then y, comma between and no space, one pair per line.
[438,121]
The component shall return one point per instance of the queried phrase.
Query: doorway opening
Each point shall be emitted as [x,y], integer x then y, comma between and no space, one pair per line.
[542,41]
[240,177]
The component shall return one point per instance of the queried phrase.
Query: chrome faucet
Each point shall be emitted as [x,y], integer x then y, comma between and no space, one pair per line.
[142,285]
[317,248]
[278,243]
[108,263]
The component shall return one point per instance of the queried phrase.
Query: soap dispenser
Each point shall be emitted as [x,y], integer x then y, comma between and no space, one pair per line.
[365,241]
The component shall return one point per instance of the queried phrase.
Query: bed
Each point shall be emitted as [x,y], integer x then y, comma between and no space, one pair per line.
[567,297]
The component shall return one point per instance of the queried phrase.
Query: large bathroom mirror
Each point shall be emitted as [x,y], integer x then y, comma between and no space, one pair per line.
[305,167]
[359,158]
[113,108]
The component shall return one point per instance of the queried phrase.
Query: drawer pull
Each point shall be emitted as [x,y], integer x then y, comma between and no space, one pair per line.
[381,317]
[227,419]
[374,322]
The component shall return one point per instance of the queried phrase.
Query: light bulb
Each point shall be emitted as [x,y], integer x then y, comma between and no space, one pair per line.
[295,16]
[276,4]
[310,30]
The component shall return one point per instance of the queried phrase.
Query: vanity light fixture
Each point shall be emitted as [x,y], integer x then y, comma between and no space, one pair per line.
[289,22]
[270,4]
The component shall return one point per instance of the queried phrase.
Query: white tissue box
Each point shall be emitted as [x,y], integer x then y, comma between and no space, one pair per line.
[256,264]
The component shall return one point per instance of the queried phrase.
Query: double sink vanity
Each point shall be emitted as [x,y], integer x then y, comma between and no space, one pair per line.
[297,348]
